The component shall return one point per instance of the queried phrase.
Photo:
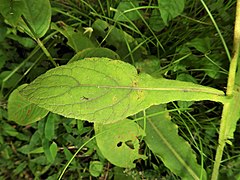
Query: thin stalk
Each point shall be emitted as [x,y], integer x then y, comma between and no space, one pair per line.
[224,126]
[236,45]
[46,52]
[72,158]
[35,50]
[218,30]
[39,42]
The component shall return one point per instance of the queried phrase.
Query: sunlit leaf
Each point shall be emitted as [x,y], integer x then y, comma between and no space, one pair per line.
[104,90]
[118,142]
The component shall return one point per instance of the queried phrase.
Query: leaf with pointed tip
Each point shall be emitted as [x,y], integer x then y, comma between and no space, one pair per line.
[163,140]
[106,91]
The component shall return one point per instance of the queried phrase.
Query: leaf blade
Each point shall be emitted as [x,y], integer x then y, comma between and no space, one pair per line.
[22,111]
[118,142]
[38,15]
[163,140]
[85,90]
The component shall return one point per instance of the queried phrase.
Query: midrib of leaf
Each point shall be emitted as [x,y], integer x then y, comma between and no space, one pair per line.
[146,88]
[153,89]
[173,151]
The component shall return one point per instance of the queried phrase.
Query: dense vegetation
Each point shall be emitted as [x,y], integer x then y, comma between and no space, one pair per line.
[177,138]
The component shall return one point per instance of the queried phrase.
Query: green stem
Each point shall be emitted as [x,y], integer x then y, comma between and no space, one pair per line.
[221,141]
[70,161]
[46,52]
[218,30]
[236,45]
[224,126]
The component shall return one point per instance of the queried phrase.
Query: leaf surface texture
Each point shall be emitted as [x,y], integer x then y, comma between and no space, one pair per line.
[106,91]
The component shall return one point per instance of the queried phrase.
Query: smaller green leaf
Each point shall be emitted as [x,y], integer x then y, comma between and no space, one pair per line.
[170,9]
[12,10]
[25,149]
[155,21]
[77,40]
[9,130]
[96,168]
[126,12]
[163,140]
[38,16]
[20,168]
[149,66]
[35,138]
[53,150]
[38,150]
[27,42]
[95,52]
[201,44]
[69,155]
[22,111]
[212,65]
[50,126]
[118,142]
[50,151]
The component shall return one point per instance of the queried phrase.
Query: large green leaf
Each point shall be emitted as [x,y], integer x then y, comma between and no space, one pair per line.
[118,142]
[163,140]
[22,111]
[104,90]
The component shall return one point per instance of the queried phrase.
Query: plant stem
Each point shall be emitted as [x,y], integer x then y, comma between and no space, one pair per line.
[46,52]
[218,30]
[221,141]
[236,45]
[225,124]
